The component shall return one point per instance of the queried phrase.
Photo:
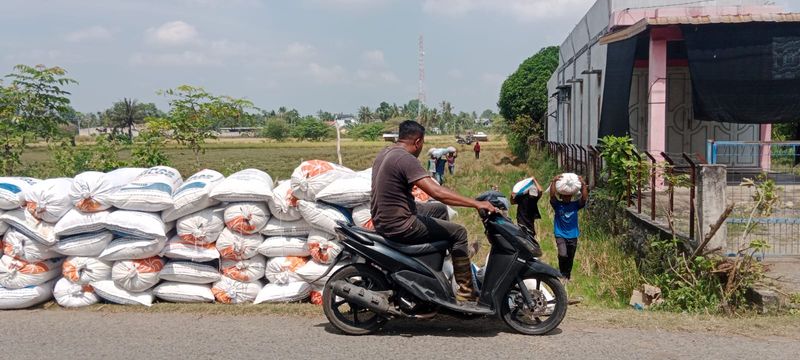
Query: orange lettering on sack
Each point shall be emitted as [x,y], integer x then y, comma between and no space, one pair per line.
[420,195]
[316,297]
[87,288]
[241,224]
[192,240]
[369,225]
[235,273]
[8,249]
[34,209]
[25,267]
[314,168]
[88,205]
[291,199]
[149,265]
[318,253]
[294,262]
[221,295]
[70,272]
[229,252]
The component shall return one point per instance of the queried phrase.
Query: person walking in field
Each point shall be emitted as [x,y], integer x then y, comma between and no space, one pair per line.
[477,149]
[527,201]
[451,161]
[432,166]
[440,165]
[565,224]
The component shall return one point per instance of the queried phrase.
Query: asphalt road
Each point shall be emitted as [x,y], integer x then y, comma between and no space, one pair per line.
[42,334]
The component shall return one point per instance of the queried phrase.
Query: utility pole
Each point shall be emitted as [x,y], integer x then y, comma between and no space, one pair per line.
[421,90]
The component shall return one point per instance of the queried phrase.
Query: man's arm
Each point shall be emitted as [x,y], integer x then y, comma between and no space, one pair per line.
[553,192]
[450,197]
[584,192]
[538,187]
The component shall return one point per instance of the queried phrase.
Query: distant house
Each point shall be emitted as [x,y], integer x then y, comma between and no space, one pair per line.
[344,120]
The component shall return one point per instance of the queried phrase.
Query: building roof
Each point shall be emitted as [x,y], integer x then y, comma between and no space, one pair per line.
[643,24]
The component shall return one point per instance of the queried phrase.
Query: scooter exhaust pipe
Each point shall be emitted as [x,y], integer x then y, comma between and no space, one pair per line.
[360,296]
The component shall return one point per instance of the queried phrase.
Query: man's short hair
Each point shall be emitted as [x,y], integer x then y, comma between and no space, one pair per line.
[410,129]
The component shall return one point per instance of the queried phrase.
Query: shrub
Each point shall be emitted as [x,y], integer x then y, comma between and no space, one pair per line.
[368,132]
[276,129]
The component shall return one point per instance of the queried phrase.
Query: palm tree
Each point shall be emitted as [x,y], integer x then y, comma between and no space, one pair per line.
[364,115]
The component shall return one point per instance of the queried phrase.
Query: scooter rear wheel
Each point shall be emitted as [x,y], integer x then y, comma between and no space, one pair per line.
[549,306]
[349,318]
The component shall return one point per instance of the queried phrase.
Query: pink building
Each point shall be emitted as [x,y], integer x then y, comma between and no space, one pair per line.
[674,76]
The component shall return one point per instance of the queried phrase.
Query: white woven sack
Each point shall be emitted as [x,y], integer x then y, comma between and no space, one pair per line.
[12,191]
[24,222]
[3,226]
[71,295]
[312,176]
[246,270]
[245,185]
[283,204]
[362,216]
[184,293]
[137,275]
[76,222]
[279,246]
[11,299]
[238,246]
[569,184]
[84,270]
[126,248]
[19,246]
[89,244]
[16,274]
[202,227]
[136,224]
[277,227]
[194,195]
[151,191]
[291,292]
[451,213]
[525,186]
[366,173]
[322,217]
[91,190]
[48,200]
[177,249]
[229,291]
[347,191]
[189,272]
[111,292]
[322,247]
[282,270]
[246,217]
[312,271]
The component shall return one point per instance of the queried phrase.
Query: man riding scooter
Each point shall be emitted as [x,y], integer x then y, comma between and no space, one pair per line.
[397,217]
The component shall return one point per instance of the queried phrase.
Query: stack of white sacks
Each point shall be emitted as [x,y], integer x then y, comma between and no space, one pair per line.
[132,235]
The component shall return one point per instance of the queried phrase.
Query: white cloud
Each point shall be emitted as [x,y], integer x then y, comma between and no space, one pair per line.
[91,33]
[523,10]
[359,5]
[173,33]
[327,74]
[455,74]
[493,79]
[374,58]
[372,77]
[184,58]
[297,50]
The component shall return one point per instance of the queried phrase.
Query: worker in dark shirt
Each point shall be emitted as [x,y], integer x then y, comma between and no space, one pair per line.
[527,201]
[399,218]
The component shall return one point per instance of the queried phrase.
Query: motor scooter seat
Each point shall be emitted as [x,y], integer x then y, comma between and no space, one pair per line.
[415,249]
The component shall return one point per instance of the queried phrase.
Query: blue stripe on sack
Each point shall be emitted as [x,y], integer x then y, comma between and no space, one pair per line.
[154,186]
[10,187]
[525,188]
[194,185]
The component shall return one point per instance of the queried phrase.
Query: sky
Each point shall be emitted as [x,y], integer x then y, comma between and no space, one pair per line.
[332,55]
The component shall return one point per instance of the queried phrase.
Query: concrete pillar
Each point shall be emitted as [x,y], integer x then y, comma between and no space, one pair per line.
[766,155]
[711,201]
[657,95]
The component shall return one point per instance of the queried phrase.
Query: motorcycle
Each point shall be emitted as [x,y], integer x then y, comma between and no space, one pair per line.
[388,280]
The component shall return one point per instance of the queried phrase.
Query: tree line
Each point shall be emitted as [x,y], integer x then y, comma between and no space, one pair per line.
[35,108]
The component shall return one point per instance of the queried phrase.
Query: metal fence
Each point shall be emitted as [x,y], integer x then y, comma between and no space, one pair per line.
[654,195]
[771,208]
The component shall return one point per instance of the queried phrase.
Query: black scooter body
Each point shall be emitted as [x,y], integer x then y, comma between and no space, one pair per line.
[511,259]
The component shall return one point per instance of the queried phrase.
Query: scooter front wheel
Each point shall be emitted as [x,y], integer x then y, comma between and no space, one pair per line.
[352,319]
[549,305]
